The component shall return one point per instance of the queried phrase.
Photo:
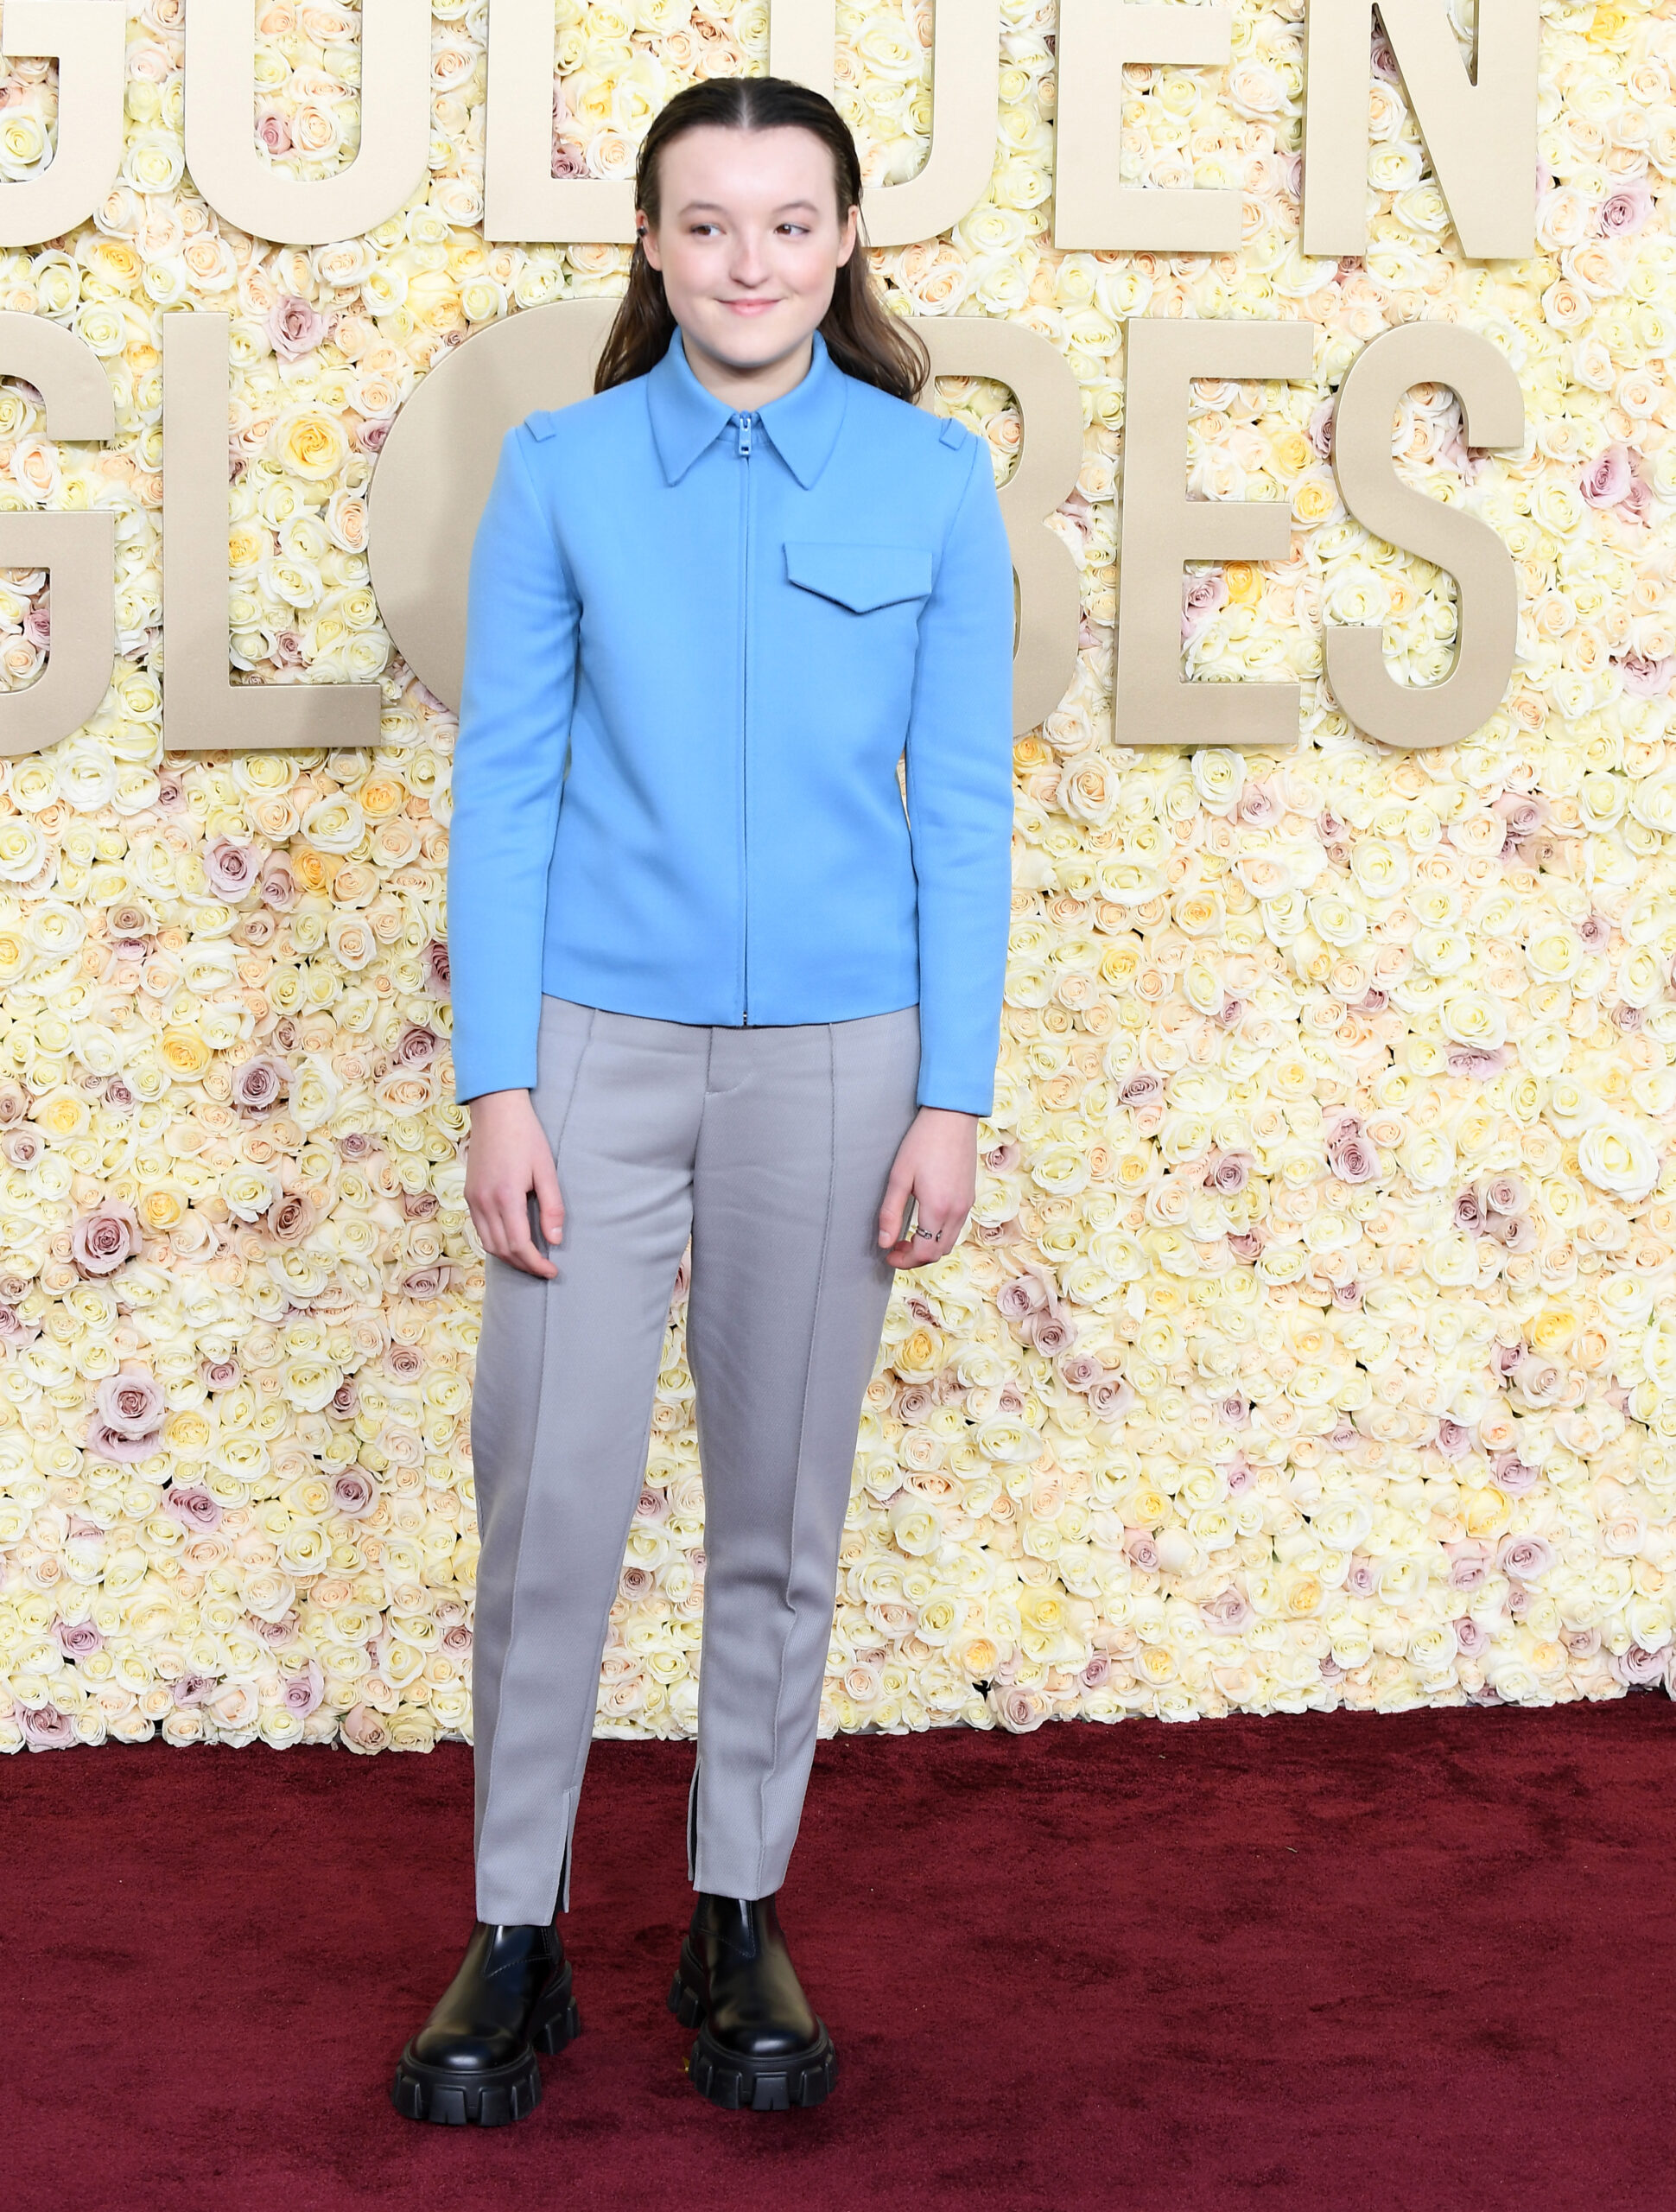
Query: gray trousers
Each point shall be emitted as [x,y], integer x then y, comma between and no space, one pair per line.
[771,1147]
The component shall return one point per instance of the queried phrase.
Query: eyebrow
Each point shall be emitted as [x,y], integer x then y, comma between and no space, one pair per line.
[693,207]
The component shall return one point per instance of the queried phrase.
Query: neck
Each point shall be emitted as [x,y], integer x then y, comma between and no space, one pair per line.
[751,386]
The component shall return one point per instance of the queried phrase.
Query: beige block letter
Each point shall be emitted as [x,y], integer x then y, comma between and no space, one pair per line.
[1487,626]
[439,461]
[88,42]
[242,186]
[522,203]
[203,708]
[1480,131]
[1163,529]
[1049,584]
[1091,208]
[77,550]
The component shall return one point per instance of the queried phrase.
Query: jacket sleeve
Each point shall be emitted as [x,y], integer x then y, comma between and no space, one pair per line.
[959,788]
[521,626]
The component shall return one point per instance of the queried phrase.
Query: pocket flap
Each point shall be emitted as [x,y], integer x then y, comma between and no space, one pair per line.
[860,577]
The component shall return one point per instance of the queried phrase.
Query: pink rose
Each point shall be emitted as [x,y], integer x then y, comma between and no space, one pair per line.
[413,1048]
[1452,1438]
[1636,1667]
[1471,1637]
[1018,1710]
[1202,598]
[279,886]
[1227,1172]
[1078,1371]
[230,870]
[1469,1564]
[1021,1297]
[1350,1157]
[1228,1612]
[129,1416]
[1525,1557]
[353,1492]
[1505,1194]
[1247,1244]
[1479,1060]
[1362,1577]
[45,1728]
[77,1640]
[291,1217]
[304,1692]
[437,969]
[363,1730]
[1110,1398]
[100,1241]
[273,133]
[1511,1473]
[1647,679]
[1626,210]
[1050,1333]
[259,1084]
[1142,1548]
[1608,479]
[1142,1088]
[193,1689]
[295,328]
[192,1506]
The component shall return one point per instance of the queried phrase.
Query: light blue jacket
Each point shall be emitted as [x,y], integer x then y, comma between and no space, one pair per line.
[698,642]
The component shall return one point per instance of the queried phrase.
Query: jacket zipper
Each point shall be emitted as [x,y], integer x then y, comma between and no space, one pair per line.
[744,421]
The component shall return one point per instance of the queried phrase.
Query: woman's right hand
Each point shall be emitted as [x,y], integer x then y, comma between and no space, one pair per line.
[507,1157]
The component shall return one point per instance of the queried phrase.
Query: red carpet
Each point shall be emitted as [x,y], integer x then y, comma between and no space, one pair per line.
[1358,1963]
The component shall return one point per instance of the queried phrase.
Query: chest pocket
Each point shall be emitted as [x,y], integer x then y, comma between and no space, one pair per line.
[861,577]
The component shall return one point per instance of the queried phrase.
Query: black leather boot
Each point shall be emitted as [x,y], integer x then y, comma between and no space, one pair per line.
[759,2046]
[474,2059]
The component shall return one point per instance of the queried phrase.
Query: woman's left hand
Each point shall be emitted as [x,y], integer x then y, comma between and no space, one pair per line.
[936,1163]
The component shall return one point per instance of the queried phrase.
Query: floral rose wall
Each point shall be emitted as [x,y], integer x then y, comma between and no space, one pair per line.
[1313,1342]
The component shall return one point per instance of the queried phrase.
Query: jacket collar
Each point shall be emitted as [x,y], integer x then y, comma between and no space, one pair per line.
[803,423]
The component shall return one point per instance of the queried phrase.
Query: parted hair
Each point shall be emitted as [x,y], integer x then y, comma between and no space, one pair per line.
[863,341]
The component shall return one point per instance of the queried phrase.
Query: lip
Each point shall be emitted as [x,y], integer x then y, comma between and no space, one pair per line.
[749,306]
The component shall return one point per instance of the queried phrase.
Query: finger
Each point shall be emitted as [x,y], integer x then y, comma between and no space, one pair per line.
[920,1244]
[898,1192]
[549,1204]
[518,1245]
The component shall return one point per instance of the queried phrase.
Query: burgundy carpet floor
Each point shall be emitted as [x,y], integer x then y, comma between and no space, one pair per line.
[1423,1963]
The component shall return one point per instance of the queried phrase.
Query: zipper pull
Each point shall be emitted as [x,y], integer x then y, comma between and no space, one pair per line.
[743,422]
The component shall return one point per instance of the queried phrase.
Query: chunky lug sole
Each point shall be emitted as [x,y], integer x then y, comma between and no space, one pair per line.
[499,2093]
[792,2081]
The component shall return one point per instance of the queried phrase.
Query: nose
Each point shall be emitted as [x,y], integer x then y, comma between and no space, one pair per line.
[749,263]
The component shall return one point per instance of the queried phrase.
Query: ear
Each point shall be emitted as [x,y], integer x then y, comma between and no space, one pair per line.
[852,227]
[648,243]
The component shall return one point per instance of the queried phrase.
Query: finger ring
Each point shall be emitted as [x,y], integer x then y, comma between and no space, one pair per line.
[932,1233]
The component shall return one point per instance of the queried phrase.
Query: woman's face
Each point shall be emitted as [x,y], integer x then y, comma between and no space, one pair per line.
[749,243]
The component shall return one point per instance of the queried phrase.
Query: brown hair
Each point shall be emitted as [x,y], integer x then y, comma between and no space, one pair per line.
[863,341]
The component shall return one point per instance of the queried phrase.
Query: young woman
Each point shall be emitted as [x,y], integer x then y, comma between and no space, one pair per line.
[710,978]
